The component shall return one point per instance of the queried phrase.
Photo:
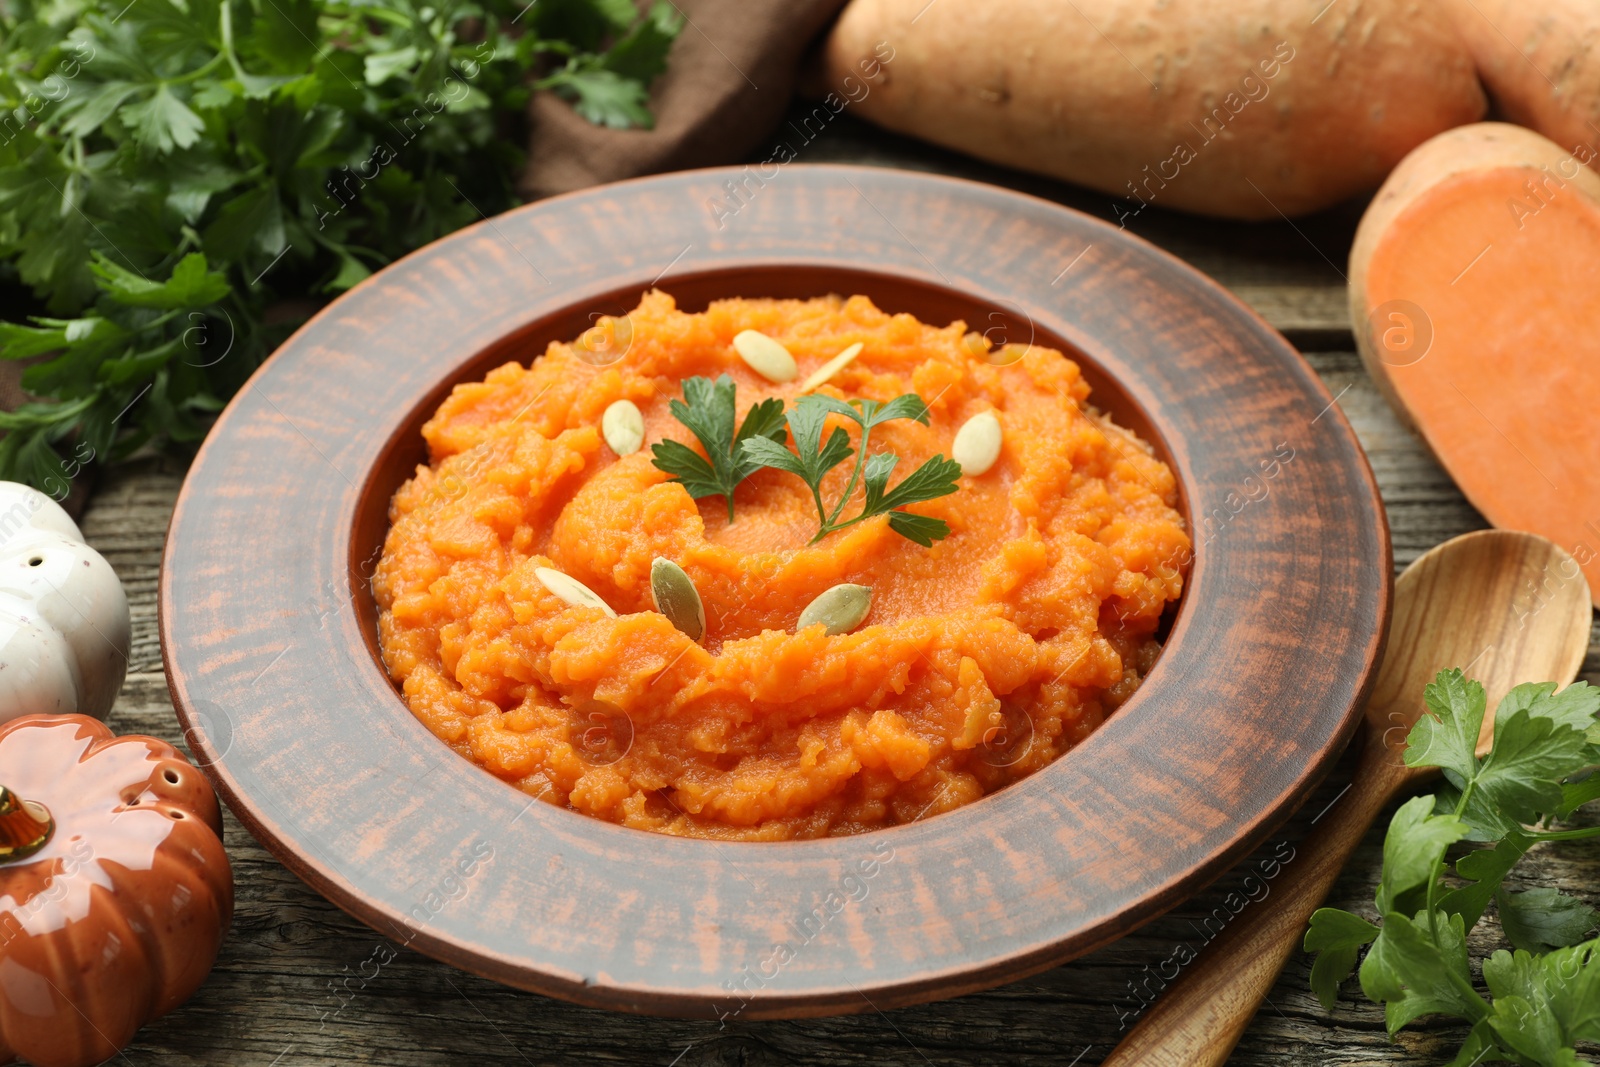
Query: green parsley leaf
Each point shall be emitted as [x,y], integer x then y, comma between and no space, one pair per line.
[351,271]
[708,410]
[284,35]
[250,222]
[25,342]
[1543,1005]
[1337,938]
[905,406]
[923,529]
[1415,974]
[642,53]
[1480,1047]
[1572,989]
[1412,849]
[687,467]
[1543,919]
[1484,869]
[83,113]
[1575,795]
[1521,776]
[163,122]
[618,13]
[604,97]
[585,23]
[1488,823]
[935,478]
[813,458]
[381,66]
[190,286]
[1447,734]
[1575,706]
[1530,1032]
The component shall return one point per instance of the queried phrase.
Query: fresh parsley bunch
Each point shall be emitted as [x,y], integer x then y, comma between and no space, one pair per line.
[708,410]
[1543,993]
[181,181]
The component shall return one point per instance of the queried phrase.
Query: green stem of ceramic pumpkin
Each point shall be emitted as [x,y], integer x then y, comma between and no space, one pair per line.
[25,827]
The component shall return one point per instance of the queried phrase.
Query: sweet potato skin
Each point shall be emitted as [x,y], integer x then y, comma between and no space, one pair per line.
[1540,62]
[1487,241]
[1238,110]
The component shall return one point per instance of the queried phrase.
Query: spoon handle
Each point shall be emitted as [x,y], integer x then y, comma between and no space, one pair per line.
[1201,1016]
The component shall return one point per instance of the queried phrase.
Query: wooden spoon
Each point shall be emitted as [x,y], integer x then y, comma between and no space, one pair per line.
[1506,607]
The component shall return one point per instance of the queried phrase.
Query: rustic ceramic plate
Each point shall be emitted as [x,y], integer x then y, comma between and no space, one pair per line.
[268,626]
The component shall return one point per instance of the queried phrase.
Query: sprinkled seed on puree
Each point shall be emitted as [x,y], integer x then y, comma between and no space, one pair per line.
[1038,608]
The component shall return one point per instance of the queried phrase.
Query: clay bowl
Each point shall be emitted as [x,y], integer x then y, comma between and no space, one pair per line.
[267,622]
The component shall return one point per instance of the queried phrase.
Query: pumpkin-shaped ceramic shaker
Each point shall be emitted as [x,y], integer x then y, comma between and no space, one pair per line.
[115,891]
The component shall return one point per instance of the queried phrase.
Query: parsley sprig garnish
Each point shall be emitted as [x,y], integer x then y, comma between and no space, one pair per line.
[813,458]
[1544,994]
[708,410]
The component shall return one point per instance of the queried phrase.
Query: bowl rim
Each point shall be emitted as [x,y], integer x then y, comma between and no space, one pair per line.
[191,676]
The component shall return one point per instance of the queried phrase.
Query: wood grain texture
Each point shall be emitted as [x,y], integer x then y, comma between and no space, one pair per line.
[271,653]
[290,985]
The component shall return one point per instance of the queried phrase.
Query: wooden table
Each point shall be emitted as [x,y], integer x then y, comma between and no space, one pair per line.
[295,982]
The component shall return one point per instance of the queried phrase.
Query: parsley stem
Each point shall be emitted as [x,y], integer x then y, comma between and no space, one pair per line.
[822,514]
[1438,870]
[199,72]
[1474,998]
[1565,835]
[851,522]
[849,490]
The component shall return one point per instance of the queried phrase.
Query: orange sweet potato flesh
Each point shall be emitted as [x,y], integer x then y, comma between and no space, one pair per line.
[1235,110]
[1472,282]
[1032,621]
[1540,60]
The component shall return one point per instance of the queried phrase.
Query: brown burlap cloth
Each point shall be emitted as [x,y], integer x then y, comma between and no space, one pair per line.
[728,80]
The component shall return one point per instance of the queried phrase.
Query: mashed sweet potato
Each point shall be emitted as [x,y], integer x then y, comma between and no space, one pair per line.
[983,658]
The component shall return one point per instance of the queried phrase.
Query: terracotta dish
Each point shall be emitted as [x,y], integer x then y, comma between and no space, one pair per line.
[269,626]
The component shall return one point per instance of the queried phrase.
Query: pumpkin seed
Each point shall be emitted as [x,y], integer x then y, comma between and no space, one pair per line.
[765,356]
[569,589]
[838,363]
[977,444]
[677,598]
[839,610]
[623,427]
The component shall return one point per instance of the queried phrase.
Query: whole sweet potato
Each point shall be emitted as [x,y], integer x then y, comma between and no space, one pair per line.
[1243,109]
[1538,61]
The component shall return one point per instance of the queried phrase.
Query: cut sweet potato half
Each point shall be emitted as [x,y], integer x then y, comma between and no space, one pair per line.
[1475,291]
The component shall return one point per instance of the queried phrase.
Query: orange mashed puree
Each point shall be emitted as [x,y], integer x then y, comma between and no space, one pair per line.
[983,658]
